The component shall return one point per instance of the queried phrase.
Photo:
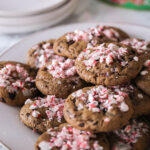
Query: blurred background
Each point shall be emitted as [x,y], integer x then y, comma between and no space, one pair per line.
[23,17]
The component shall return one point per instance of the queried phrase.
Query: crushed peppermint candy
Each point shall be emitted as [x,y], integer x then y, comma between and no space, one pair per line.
[109,32]
[136,58]
[69,138]
[91,35]
[143,73]
[101,54]
[14,77]
[140,95]
[100,98]
[43,54]
[140,46]
[35,113]
[28,101]
[54,107]
[62,69]
[146,68]
[132,132]
[147,63]
[120,145]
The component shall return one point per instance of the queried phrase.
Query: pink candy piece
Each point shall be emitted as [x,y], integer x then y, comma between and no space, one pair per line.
[101,98]
[90,35]
[62,69]
[44,54]
[70,138]
[54,107]
[14,77]
[132,132]
[103,54]
[140,46]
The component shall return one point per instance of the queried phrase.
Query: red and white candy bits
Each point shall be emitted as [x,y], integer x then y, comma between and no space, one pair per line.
[132,132]
[14,77]
[62,69]
[70,138]
[44,54]
[78,35]
[54,107]
[100,98]
[141,46]
[146,68]
[91,34]
[109,32]
[101,54]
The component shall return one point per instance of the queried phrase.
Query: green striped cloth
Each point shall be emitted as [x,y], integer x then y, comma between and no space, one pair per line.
[136,4]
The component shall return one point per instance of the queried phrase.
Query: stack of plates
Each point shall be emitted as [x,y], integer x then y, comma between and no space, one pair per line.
[20,16]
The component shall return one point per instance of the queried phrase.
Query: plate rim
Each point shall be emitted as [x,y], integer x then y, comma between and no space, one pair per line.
[70,24]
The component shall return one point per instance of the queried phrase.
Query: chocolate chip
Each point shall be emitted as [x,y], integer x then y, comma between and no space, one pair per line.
[104,110]
[73,83]
[81,124]
[106,66]
[90,120]
[12,95]
[38,148]
[2,100]
[95,123]
[70,42]
[28,114]
[59,51]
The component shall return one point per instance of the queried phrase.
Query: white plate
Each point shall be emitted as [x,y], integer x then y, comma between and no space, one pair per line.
[12,131]
[34,19]
[27,7]
[64,13]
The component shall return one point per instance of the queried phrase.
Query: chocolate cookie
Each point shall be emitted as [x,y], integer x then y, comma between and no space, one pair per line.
[59,78]
[17,83]
[108,64]
[69,138]
[43,113]
[98,109]
[140,101]
[41,53]
[72,43]
[134,136]
[141,46]
[143,79]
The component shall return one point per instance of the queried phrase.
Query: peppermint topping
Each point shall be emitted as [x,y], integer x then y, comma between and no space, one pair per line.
[147,63]
[44,145]
[92,34]
[28,101]
[146,69]
[44,54]
[35,113]
[62,69]
[136,58]
[100,98]
[78,35]
[141,46]
[143,73]
[121,146]
[132,132]
[102,54]
[140,96]
[14,77]
[54,107]
[70,138]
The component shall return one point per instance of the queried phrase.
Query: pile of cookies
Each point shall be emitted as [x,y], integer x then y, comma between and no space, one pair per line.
[87,90]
